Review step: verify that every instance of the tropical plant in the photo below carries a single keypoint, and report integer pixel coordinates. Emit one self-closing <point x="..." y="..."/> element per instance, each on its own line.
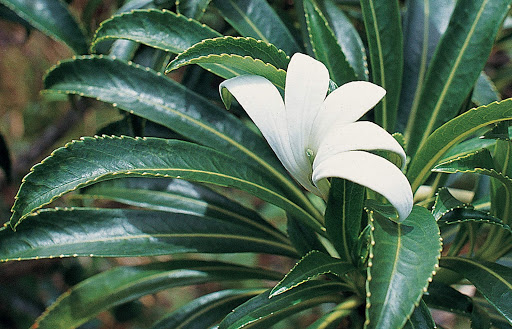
<point x="178" y="161"/>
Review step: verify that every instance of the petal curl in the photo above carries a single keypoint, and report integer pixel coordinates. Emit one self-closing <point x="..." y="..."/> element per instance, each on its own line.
<point x="264" y="105"/>
<point x="361" y="135"/>
<point x="346" y="104"/>
<point x="371" y="171"/>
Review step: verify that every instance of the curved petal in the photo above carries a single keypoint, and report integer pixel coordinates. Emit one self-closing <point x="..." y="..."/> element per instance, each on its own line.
<point x="371" y="171"/>
<point x="361" y="135"/>
<point x="346" y="104"/>
<point x="307" y="81"/>
<point x="264" y="105"/>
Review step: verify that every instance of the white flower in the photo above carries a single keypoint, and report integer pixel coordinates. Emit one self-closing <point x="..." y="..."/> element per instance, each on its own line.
<point x="317" y="137"/>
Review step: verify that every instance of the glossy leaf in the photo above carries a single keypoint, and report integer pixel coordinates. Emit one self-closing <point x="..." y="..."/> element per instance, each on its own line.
<point x="175" y="195"/>
<point x="446" y="202"/>
<point x="91" y="160"/>
<point x="255" y="18"/>
<point x="123" y="284"/>
<point x="472" y="216"/>
<point x="311" y="266"/>
<point x="205" y="311"/>
<point x="420" y="318"/>
<point x="348" y="38"/>
<point x="457" y="63"/>
<point x="492" y="280"/>
<point x="192" y="8"/>
<point x="485" y="91"/>
<point x="75" y="232"/>
<point x="403" y="258"/>
<point x="325" y="45"/>
<point x="343" y="217"/>
<point x="424" y="24"/>
<point x="153" y="96"/>
<point x="53" y="18"/>
<point x="262" y="312"/>
<point x="158" y="29"/>
<point x="451" y="133"/>
<point x="384" y="33"/>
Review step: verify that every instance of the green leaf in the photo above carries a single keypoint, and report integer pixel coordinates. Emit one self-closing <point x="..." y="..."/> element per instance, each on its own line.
<point x="348" y="38"/>
<point x="123" y="284"/>
<point x="446" y="202"/>
<point x="302" y="237"/>
<point x="311" y="266"/>
<point x="450" y="134"/>
<point x="420" y="318"/>
<point x="75" y="232"/>
<point x="255" y="18"/>
<point x="262" y="312"/>
<point x="332" y="319"/>
<point x="492" y="280"/>
<point x="175" y="195"/>
<point x="158" y="29"/>
<point x="205" y="311"/>
<point x="5" y="159"/>
<point x="384" y="33"/>
<point x="455" y="67"/>
<point x="424" y="24"/>
<point x="457" y="216"/>
<point x="343" y="217"/>
<point x="53" y="18"/>
<point x="485" y="91"/>
<point x="91" y="160"/>
<point x="403" y="258"/>
<point x="192" y="8"/>
<point x="325" y="45"/>
<point x="155" y="97"/>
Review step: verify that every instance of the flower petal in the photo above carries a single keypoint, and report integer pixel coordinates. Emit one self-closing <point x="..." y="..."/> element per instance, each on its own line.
<point x="371" y="171"/>
<point x="307" y="82"/>
<point x="264" y="105"/>
<point x="361" y="135"/>
<point x="346" y="104"/>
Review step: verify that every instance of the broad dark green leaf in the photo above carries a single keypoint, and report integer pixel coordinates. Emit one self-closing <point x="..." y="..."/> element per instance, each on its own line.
<point x="348" y="38"/>
<point x="485" y="91"/>
<point x="91" y="160"/>
<point x="53" y="18"/>
<point x="403" y="258"/>
<point x="153" y="96"/>
<point x="5" y="159"/>
<point x="255" y="18"/>
<point x="420" y="318"/>
<point x="450" y="134"/>
<point x="468" y="146"/>
<point x="9" y="15"/>
<point x="192" y="8"/>
<point x="325" y="45"/>
<point x="455" y="67"/>
<point x="343" y="217"/>
<point x="384" y="33"/>
<point x="205" y="311"/>
<point x="492" y="280"/>
<point x="311" y="266"/>
<point x="159" y="29"/>
<point x="424" y="24"/>
<point x="123" y="284"/>
<point x="262" y="312"/>
<point x="176" y="195"/>
<point x="75" y="232"/>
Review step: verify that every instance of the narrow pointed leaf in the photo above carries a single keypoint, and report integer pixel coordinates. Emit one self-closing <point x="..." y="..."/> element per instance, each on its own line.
<point x="91" y="160"/>
<point x="457" y="63"/>
<point x="255" y="18"/>
<point x="53" y="18"/>
<point x="205" y="311"/>
<point x="302" y="237"/>
<point x="402" y="261"/>
<point x="485" y="91"/>
<point x="446" y="202"/>
<point x="420" y="318"/>
<point x="492" y="280"/>
<point x="325" y="45"/>
<point x="52" y="233"/>
<point x="192" y="8"/>
<point x="311" y="266"/>
<point x="262" y="312"/>
<point x="450" y="134"/>
<point x="457" y="216"/>
<point x="123" y="284"/>
<point x="159" y="29"/>
<point x="348" y="38"/>
<point x="153" y="96"/>
<point x="384" y="33"/>
<point x="343" y="217"/>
